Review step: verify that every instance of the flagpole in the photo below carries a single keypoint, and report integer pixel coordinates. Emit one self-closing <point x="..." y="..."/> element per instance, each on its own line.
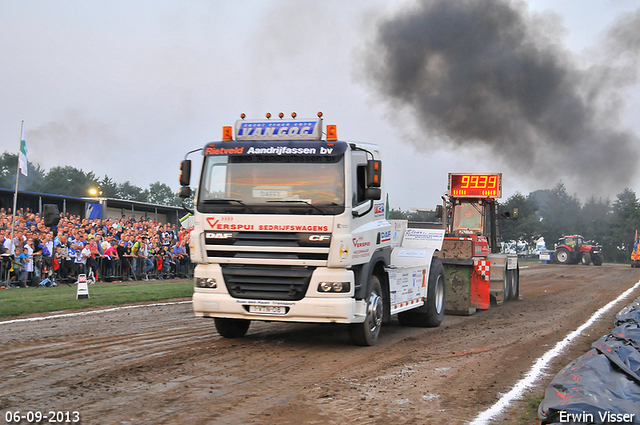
<point x="15" y="194"/>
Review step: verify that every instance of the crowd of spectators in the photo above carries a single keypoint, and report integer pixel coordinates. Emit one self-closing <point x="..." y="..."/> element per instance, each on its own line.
<point x="107" y="250"/>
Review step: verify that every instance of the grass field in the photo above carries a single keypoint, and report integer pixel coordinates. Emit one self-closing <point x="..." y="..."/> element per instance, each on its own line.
<point x="24" y="301"/>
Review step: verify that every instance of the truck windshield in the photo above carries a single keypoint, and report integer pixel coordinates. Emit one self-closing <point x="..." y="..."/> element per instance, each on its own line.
<point x="272" y="185"/>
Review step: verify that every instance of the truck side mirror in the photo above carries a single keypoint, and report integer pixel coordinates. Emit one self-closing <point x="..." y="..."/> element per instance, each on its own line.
<point x="374" y="173"/>
<point x="185" y="192"/>
<point x="185" y="173"/>
<point x="439" y="211"/>
<point x="373" y="193"/>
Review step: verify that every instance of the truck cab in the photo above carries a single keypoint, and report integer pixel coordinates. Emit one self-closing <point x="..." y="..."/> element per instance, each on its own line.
<point x="290" y="227"/>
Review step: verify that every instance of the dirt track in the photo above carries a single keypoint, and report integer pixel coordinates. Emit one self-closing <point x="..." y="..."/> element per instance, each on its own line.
<point x="162" y="365"/>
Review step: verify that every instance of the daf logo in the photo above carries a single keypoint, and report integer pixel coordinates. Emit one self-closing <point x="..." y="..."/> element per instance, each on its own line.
<point x="319" y="238"/>
<point x="220" y="235"/>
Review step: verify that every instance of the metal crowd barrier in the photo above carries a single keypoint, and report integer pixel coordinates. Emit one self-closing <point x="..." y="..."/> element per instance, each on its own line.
<point x="107" y="270"/>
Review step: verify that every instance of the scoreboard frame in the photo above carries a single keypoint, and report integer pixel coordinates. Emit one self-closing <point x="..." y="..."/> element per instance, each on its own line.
<point x="475" y="185"/>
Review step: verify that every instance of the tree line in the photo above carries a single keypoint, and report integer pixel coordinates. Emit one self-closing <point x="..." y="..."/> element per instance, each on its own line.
<point x="548" y="213"/>
<point x="552" y="213"/>
<point x="71" y="181"/>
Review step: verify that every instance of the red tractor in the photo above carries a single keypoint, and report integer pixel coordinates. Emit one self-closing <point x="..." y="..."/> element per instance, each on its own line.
<point x="573" y="250"/>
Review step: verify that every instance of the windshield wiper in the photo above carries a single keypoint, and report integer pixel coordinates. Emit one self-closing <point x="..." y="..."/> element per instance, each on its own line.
<point x="302" y="201"/>
<point x="228" y="201"/>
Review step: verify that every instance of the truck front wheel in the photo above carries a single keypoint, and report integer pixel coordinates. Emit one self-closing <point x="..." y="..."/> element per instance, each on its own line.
<point x="232" y="328"/>
<point x="432" y="312"/>
<point x="366" y="333"/>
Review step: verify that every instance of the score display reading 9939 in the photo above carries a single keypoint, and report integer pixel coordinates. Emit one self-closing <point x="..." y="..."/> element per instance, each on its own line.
<point x="475" y="185"/>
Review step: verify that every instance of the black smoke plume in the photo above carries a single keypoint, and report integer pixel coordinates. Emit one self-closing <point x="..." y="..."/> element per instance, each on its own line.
<point x="488" y="73"/>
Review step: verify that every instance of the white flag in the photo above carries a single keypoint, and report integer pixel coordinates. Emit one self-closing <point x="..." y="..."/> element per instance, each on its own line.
<point x="22" y="156"/>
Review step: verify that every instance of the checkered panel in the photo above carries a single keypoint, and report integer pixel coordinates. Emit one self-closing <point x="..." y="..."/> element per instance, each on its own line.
<point x="483" y="267"/>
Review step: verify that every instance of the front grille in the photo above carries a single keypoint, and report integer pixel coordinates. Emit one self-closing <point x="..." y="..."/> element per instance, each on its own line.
<point x="268" y="255"/>
<point x="268" y="245"/>
<point x="267" y="282"/>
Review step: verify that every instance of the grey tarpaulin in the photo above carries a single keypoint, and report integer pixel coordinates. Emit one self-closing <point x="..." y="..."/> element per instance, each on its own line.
<point x="603" y="384"/>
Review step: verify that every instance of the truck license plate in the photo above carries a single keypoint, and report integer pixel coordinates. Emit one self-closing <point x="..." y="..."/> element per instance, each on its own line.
<point x="267" y="309"/>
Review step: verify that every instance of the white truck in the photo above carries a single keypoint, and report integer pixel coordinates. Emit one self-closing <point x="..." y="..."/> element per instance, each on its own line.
<point x="291" y="227"/>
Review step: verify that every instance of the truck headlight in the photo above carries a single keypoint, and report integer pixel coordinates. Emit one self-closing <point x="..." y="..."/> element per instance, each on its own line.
<point x="206" y="282"/>
<point x="334" y="287"/>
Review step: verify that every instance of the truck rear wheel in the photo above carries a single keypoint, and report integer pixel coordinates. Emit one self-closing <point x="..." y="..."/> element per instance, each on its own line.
<point x="432" y="312"/>
<point x="506" y="284"/>
<point x="562" y="256"/>
<point x="232" y="328"/>
<point x="585" y="259"/>
<point x="366" y="333"/>
<point x="514" y="292"/>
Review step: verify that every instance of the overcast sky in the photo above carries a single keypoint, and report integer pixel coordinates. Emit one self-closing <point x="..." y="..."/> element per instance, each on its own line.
<point x="126" y="88"/>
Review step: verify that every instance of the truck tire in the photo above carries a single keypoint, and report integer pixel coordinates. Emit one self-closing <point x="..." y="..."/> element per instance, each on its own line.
<point x="562" y="256"/>
<point x="585" y="259"/>
<point x="232" y="328"/>
<point x="430" y="314"/>
<point x="366" y="333"/>
<point x="506" y="283"/>
<point x="514" y="294"/>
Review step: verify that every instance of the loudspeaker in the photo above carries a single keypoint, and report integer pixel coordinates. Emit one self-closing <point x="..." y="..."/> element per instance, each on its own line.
<point x="51" y="215"/>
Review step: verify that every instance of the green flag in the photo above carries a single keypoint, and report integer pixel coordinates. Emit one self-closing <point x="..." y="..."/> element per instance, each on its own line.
<point x="22" y="156"/>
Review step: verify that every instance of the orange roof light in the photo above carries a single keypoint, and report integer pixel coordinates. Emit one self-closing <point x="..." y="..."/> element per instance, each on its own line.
<point x="268" y="115"/>
<point x="332" y="132"/>
<point x="243" y="116"/>
<point x="227" y="133"/>
<point x="293" y="115"/>
<point x="281" y="115"/>
<point x="320" y="114"/>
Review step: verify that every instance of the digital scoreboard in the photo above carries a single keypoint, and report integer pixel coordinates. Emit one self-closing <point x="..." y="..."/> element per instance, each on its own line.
<point x="475" y="185"/>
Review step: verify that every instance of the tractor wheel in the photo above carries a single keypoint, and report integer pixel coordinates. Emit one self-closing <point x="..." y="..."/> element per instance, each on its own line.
<point x="231" y="328"/>
<point x="432" y="312"/>
<point x="585" y="259"/>
<point x="597" y="261"/>
<point x="366" y="333"/>
<point x="562" y="256"/>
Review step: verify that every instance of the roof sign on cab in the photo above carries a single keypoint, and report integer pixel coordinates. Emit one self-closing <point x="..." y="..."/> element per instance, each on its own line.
<point x="279" y="130"/>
